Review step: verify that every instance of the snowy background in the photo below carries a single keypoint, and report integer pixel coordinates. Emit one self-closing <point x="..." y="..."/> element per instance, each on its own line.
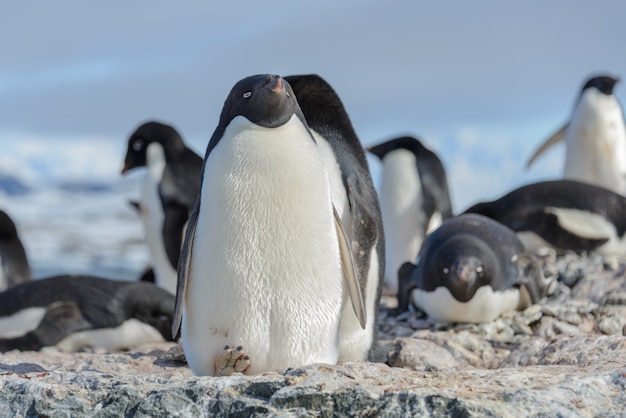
<point x="481" y="83"/>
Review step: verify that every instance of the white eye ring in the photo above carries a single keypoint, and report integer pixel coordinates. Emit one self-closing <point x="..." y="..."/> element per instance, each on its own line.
<point x="138" y="144"/>
<point x="446" y="270"/>
<point x="479" y="269"/>
<point x="247" y="94"/>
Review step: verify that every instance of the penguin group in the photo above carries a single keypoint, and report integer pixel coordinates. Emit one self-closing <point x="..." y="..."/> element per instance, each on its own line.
<point x="273" y="250"/>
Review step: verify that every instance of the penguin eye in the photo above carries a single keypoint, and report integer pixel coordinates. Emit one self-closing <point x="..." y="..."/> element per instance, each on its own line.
<point x="446" y="270"/>
<point x="138" y="144"/>
<point x="479" y="269"/>
<point x="247" y="94"/>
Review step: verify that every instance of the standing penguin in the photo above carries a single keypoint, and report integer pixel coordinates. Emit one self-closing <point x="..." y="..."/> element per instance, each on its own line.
<point x="414" y="198"/>
<point x="169" y="193"/>
<point x="14" y="267"/>
<point x="595" y="138"/>
<point x="354" y="196"/>
<point x="265" y="252"/>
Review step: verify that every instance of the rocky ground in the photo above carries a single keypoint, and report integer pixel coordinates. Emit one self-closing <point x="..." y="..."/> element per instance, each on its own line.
<point x="564" y="357"/>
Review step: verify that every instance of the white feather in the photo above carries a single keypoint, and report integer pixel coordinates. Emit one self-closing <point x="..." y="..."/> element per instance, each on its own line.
<point x="265" y="271"/>
<point x="485" y="306"/>
<point x="354" y="341"/>
<point x="596" y="142"/>
<point x="401" y="202"/>
<point x="21" y="322"/>
<point x="130" y="333"/>
<point x="152" y="216"/>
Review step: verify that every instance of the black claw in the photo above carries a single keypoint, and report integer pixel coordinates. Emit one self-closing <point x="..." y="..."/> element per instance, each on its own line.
<point x="226" y="347"/>
<point x="239" y="348"/>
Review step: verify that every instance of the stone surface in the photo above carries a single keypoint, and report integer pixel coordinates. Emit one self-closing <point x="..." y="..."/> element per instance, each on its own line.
<point x="563" y="357"/>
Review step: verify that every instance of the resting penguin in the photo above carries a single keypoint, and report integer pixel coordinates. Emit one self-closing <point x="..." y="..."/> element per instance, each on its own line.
<point x="77" y="312"/>
<point x="266" y="263"/>
<point x="414" y="198"/>
<point x="14" y="267"/>
<point x="472" y="269"/>
<point x="354" y="196"/>
<point x="595" y="138"/>
<point x="564" y="215"/>
<point x="170" y="189"/>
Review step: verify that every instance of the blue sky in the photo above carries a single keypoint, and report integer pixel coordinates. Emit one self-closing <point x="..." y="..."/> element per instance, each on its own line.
<point x="482" y="83"/>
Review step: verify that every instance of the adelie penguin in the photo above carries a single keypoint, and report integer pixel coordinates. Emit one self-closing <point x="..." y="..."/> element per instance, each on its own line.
<point x="564" y="215"/>
<point x="267" y="265"/>
<point x="595" y="138"/>
<point x="472" y="269"/>
<point x="74" y="313"/>
<point x="354" y="196"/>
<point x="414" y="197"/>
<point x="14" y="267"/>
<point x="170" y="189"/>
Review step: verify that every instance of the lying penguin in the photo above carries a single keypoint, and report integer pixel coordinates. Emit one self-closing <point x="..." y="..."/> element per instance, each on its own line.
<point x="414" y="199"/>
<point x="14" y="267"/>
<point x="79" y="312"/>
<point x="169" y="193"/>
<point x="564" y="215"/>
<point x="472" y="269"/>
<point x="595" y="137"/>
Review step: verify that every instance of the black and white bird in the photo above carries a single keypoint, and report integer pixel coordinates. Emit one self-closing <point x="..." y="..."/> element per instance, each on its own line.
<point x="595" y="138"/>
<point x="74" y="313"/>
<point x="564" y="215"/>
<point x="472" y="269"/>
<point x="169" y="192"/>
<point x="267" y="264"/>
<point x="414" y="198"/>
<point x="14" y="266"/>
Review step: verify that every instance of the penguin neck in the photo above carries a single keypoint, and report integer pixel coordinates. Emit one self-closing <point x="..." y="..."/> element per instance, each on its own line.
<point x="156" y="161"/>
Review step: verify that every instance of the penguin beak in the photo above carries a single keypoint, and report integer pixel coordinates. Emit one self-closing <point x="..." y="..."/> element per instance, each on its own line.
<point x="462" y="280"/>
<point x="124" y="169"/>
<point x="275" y="84"/>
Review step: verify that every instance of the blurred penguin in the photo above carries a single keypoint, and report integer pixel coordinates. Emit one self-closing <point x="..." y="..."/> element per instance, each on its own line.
<point x="169" y="193"/>
<point x="14" y="267"/>
<point x="595" y="138"/>
<point x="414" y="199"/>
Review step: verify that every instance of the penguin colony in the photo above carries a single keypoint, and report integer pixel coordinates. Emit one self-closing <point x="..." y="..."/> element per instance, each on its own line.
<point x="269" y="252"/>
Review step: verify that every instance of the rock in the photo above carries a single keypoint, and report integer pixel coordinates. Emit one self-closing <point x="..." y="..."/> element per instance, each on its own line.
<point x="141" y="383"/>
<point x="420" y="355"/>
<point x="562" y="357"/>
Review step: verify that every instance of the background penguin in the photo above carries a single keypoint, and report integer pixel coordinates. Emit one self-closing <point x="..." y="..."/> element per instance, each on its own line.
<point x="14" y="267"/>
<point x="471" y="269"/>
<point x="265" y="254"/>
<point x="414" y="197"/>
<point x="354" y="196"/>
<point x="77" y="312"/>
<point x="169" y="193"/>
<point x="564" y="215"/>
<point x="595" y="138"/>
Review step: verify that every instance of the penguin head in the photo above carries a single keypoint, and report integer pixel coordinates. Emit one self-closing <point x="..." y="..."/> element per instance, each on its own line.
<point x="266" y="100"/>
<point x="463" y="266"/>
<point x="604" y="84"/>
<point x="151" y="133"/>
<point x="405" y="142"/>
<point x="151" y="305"/>
<point x="7" y="227"/>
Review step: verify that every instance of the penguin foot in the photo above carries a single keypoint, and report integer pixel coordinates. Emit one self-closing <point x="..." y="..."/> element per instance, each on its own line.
<point x="231" y="361"/>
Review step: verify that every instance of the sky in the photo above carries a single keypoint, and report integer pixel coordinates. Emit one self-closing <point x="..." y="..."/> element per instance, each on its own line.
<point x="481" y="83"/>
